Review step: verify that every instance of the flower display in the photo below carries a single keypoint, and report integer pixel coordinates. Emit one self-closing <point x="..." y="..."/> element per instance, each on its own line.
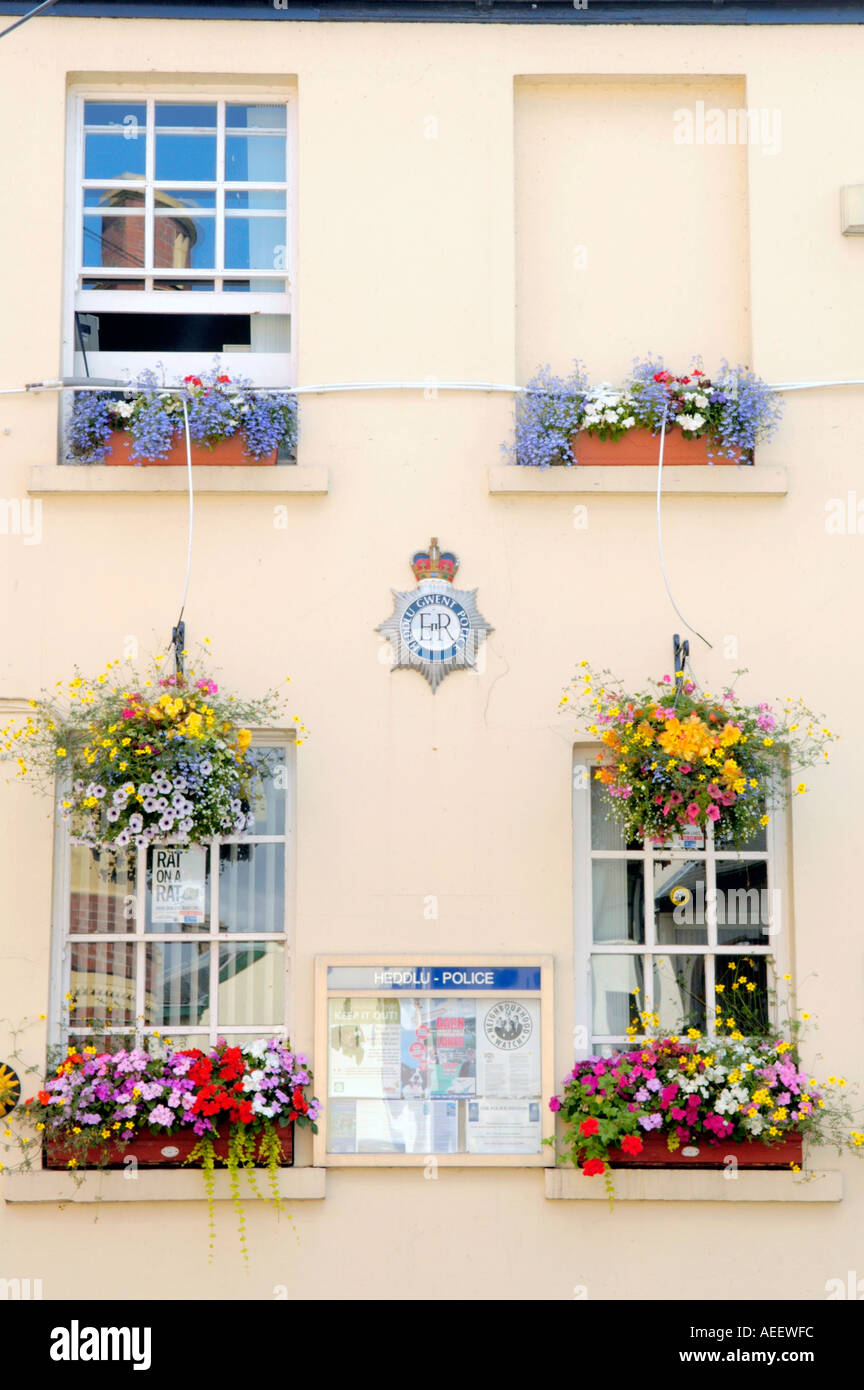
<point x="734" y="410"/>
<point x="674" y="756"/>
<point x="108" y="1097"/>
<point x="700" y="1091"/>
<point x="97" y="1102"/>
<point x="218" y="406"/>
<point x="142" y="761"/>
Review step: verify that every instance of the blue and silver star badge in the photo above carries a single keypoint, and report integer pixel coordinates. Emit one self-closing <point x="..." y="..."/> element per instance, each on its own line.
<point x="435" y="629"/>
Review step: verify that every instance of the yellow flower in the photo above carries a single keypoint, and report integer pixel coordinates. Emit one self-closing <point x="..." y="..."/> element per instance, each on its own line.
<point x="767" y="742"/>
<point x="719" y="989"/>
<point x="61" y="752"/>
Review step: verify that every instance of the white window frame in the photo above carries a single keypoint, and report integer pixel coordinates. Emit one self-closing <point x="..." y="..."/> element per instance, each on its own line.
<point x="266" y="369"/>
<point x="777" y="948"/>
<point x="59" y="1029"/>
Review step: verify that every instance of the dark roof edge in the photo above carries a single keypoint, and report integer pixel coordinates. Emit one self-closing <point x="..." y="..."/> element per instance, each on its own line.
<point x="698" y="12"/>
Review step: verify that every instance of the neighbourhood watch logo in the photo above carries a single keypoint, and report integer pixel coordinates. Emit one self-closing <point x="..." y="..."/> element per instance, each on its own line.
<point x="77" y="1343"/>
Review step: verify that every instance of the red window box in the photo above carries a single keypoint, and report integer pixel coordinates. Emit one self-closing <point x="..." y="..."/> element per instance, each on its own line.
<point x="752" y="1154"/>
<point x="228" y="452"/>
<point x="641" y="449"/>
<point x="152" y="1151"/>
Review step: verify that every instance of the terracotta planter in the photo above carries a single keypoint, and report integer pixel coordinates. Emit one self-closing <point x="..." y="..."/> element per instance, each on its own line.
<point x="229" y="452"/>
<point x="153" y="1151"/>
<point x="751" y="1154"/>
<point x="640" y="449"/>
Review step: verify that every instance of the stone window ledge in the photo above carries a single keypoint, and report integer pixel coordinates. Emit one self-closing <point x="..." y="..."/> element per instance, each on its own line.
<point x="50" y="478"/>
<point x="153" y="1185"/>
<point x="696" y="1185"/>
<point x="725" y="481"/>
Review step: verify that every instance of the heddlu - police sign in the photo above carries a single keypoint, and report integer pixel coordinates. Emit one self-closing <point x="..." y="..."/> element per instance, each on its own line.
<point x="387" y="978"/>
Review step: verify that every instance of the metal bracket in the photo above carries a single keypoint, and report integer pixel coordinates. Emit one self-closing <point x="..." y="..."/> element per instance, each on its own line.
<point x="680" y="656"/>
<point x="178" y="638"/>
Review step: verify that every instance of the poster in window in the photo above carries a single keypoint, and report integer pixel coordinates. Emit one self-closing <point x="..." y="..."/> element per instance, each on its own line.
<point x="179" y="886"/>
<point x="503" y="1127"/>
<point x="364" y="1038"/>
<point x="439" y="1047"/>
<point x="393" y="1126"/>
<point x="508" y="1048"/>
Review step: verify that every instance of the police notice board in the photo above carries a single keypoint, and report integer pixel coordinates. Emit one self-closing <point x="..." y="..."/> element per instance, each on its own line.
<point x="438" y="1056"/>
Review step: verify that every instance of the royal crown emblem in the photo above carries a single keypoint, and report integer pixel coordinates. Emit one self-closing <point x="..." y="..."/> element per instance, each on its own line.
<point x="435" y="629"/>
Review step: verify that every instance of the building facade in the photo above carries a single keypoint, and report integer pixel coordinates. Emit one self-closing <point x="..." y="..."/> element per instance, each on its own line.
<point x="409" y="208"/>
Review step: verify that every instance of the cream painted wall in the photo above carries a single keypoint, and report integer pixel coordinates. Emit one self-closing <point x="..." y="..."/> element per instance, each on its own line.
<point x="408" y="257"/>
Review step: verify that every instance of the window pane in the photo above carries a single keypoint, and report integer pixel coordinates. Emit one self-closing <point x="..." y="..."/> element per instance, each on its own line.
<point x="744" y="996"/>
<point x="613" y="980"/>
<point x="724" y="839"/>
<point x="113" y="197"/>
<point x="744" y="905"/>
<point x="185" y="115"/>
<point x="102" y="895"/>
<point x="186" y="157"/>
<point x="252" y="985"/>
<point x="255" y="286"/>
<point x="185" y="198"/>
<point x="102" y="984"/>
<point x="606" y="833"/>
<point x="255" y="243"/>
<point x="268" y="793"/>
<point x="255" y="200"/>
<point x="679" y="992"/>
<point x="186" y="243"/>
<point x="178" y="889"/>
<point x="252" y="888"/>
<point x="117" y="241"/>
<point x="257" y="117"/>
<point x="115" y="140"/>
<point x="177" y="984"/>
<point x="618" y="900"/>
<point x="90" y="284"/>
<point x="185" y="285"/>
<point x="254" y="158"/>
<point x="679" y="902"/>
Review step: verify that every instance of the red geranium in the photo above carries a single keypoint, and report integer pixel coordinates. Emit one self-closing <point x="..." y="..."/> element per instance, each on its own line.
<point x="589" y="1126"/>
<point x="594" y="1167"/>
<point x="631" y="1144"/>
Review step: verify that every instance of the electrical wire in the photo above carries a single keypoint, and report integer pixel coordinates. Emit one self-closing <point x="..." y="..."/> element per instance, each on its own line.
<point x="46" y="5"/>
<point x="660" y="533"/>
<point x="429" y="384"/>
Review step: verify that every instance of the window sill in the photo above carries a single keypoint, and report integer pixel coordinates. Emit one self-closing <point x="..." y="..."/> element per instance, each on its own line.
<point x="728" y="481"/>
<point x="153" y="1185"/>
<point x="696" y="1185"/>
<point x="48" y="478"/>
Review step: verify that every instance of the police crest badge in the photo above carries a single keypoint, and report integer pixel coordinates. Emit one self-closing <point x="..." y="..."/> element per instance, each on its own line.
<point x="435" y="629"/>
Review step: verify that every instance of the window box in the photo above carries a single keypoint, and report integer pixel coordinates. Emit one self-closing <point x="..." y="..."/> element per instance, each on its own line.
<point x="228" y="452"/>
<point x="655" y="1154"/>
<point x="152" y="1151"/>
<point x="641" y="449"/>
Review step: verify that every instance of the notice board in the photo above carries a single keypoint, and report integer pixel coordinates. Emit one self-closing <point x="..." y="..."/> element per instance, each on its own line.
<point x="434" y="1056"/>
